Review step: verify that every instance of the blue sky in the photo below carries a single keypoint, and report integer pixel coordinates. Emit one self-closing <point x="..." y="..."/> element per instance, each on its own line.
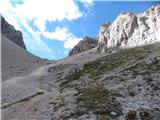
<point x="52" y="27"/>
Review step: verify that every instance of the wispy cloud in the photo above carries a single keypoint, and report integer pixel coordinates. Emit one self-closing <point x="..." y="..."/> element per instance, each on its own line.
<point x="35" y="38"/>
<point x="88" y="5"/>
<point x="86" y="1"/>
<point x="66" y="52"/>
<point x="15" y="17"/>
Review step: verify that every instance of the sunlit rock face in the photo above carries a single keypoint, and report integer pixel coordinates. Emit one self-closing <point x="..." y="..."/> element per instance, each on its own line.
<point x="86" y="44"/>
<point x="130" y="30"/>
<point x="11" y="33"/>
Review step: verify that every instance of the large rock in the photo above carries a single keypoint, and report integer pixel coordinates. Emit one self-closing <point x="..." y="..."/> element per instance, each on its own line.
<point x="130" y="30"/>
<point x="11" y="33"/>
<point x="71" y="71"/>
<point x="86" y="44"/>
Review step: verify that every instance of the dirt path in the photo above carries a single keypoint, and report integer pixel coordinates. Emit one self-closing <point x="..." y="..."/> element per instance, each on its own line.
<point x="21" y="93"/>
<point x="21" y="87"/>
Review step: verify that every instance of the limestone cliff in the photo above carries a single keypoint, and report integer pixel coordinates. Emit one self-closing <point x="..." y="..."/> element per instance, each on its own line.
<point x="130" y="30"/>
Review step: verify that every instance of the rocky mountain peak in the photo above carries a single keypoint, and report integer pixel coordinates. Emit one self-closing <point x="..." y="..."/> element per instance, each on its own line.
<point x="11" y="33"/>
<point x="130" y="30"/>
<point x="83" y="45"/>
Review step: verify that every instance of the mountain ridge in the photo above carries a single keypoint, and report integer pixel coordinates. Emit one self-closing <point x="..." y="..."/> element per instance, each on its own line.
<point x="11" y="33"/>
<point x="130" y="30"/>
<point x="120" y="85"/>
<point x="16" y="60"/>
<point x="86" y="44"/>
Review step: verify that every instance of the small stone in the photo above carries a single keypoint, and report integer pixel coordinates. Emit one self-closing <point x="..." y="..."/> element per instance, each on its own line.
<point x="113" y="113"/>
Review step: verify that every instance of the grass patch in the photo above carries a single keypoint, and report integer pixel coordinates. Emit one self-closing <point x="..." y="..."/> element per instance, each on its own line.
<point x="100" y="101"/>
<point x="132" y="115"/>
<point x="132" y="93"/>
<point x="41" y="78"/>
<point x="147" y="78"/>
<point x="22" y="100"/>
<point x="59" y="103"/>
<point x="155" y="66"/>
<point x="155" y="86"/>
<point x="66" y="82"/>
<point x="136" y="69"/>
<point x="107" y="63"/>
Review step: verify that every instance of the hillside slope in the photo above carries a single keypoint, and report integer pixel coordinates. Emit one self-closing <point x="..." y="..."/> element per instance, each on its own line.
<point x="123" y="85"/>
<point x="16" y="61"/>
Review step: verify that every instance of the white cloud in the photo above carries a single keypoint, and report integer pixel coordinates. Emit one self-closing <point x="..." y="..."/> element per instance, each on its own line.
<point x="52" y="10"/>
<point x="87" y="2"/>
<point x="71" y="42"/>
<point x="41" y="11"/>
<point x="60" y="34"/>
<point x="63" y="34"/>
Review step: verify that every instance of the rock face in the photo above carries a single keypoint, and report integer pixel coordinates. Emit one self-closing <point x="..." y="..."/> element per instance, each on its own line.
<point x="130" y="30"/>
<point x="12" y="34"/>
<point x="86" y="44"/>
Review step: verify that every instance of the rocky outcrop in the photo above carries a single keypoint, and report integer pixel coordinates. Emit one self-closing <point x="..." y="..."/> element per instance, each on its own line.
<point x="71" y="71"/>
<point x="86" y="44"/>
<point x="11" y="33"/>
<point x="130" y="30"/>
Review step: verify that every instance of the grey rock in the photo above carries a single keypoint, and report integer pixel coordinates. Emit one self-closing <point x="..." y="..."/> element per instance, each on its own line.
<point x="130" y="30"/>
<point x="151" y="61"/>
<point x="71" y="70"/>
<point x="86" y="44"/>
<point x="113" y="113"/>
<point x="11" y="33"/>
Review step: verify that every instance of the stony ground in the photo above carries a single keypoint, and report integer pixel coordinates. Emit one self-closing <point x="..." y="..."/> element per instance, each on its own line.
<point x="118" y="86"/>
<point x="16" y="61"/>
